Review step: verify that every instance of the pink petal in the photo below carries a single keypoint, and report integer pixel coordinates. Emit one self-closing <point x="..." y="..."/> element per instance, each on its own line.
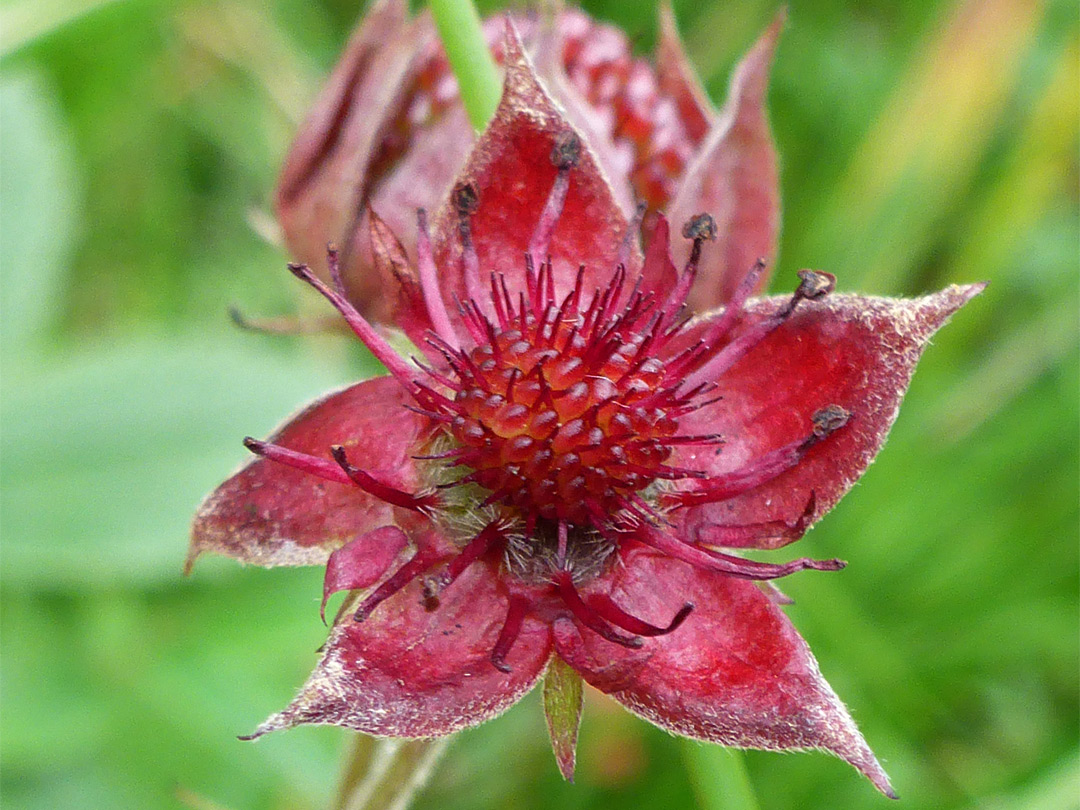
<point x="362" y="562"/>
<point x="679" y="80"/>
<point x="733" y="177"/>
<point x="512" y="173"/>
<point x="270" y="514"/>
<point x="323" y="186"/>
<point x="853" y="351"/>
<point x="407" y="672"/>
<point x="736" y="672"/>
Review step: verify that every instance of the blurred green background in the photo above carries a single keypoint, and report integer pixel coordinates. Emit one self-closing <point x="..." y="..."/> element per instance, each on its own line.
<point x="922" y="143"/>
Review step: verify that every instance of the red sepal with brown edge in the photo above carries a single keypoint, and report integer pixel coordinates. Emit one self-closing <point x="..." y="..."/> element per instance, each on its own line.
<point x="393" y="267"/>
<point x="512" y="173"/>
<point x="678" y="79"/>
<point x="319" y="192"/>
<point x="270" y="514"/>
<point x="858" y="352"/>
<point x="733" y="177"/>
<point x="736" y="672"/>
<point x="409" y="672"/>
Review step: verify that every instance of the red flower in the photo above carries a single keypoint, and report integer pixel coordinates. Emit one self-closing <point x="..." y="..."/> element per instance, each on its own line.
<point x="569" y="475"/>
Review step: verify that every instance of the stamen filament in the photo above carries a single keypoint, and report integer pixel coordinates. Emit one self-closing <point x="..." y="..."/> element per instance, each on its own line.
<point x="727" y="563"/>
<point x="361" y="328"/>
<point x="609" y="611"/>
<point x="383" y="492"/>
<point x="515" y="615"/>
<point x="313" y="465"/>
<point x="589" y="617"/>
<point x="564" y="154"/>
<point x="420" y="562"/>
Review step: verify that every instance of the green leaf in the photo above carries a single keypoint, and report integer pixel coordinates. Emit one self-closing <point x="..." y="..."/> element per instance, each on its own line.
<point x="108" y="453"/>
<point x="38" y="191"/>
<point x="459" y="29"/>
<point x="563" y="700"/>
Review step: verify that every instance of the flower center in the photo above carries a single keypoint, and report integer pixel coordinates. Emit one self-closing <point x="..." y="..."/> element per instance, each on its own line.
<point x="558" y="423"/>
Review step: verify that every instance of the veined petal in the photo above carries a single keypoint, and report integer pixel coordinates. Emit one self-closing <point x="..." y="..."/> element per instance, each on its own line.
<point x="736" y="672"/>
<point x="858" y="352"/>
<point x="271" y="514"/>
<point x="512" y="173"/>
<point x="733" y="177"/>
<point x="409" y="672"/>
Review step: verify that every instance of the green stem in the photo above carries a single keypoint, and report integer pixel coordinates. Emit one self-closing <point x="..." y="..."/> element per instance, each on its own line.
<point x="387" y="774"/>
<point x="719" y="777"/>
<point x="478" y="77"/>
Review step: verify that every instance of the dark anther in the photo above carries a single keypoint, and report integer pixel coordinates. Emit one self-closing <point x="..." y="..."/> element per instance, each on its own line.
<point x="334" y="266"/>
<point x="567" y="150"/>
<point x="829" y="420"/>
<point x="430" y="593"/>
<point x="699" y="227"/>
<point x="815" y="284"/>
<point x="465" y="199"/>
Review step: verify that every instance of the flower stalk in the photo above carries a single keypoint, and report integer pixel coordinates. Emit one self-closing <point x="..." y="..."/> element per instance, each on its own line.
<point x="719" y="777"/>
<point x="387" y="774"/>
<point x="478" y="79"/>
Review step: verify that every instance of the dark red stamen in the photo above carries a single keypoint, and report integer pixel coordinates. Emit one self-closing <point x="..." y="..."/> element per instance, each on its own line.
<point x="564" y="155"/>
<point x="726" y="563"/>
<point x="734" y="307"/>
<point x="515" y="615"/>
<point x="313" y="465"/>
<point x="610" y="612"/>
<point x="420" y="562"/>
<point x="765" y="468"/>
<point x="813" y="286"/>
<point x="429" y="283"/>
<point x="383" y="492"/>
<point x="361" y="328"/>
<point x="476" y="548"/>
<point x="589" y="617"/>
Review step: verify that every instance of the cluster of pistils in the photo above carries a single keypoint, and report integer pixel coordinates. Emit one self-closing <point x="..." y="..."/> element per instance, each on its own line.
<point x="554" y="420"/>
<point x="561" y="413"/>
